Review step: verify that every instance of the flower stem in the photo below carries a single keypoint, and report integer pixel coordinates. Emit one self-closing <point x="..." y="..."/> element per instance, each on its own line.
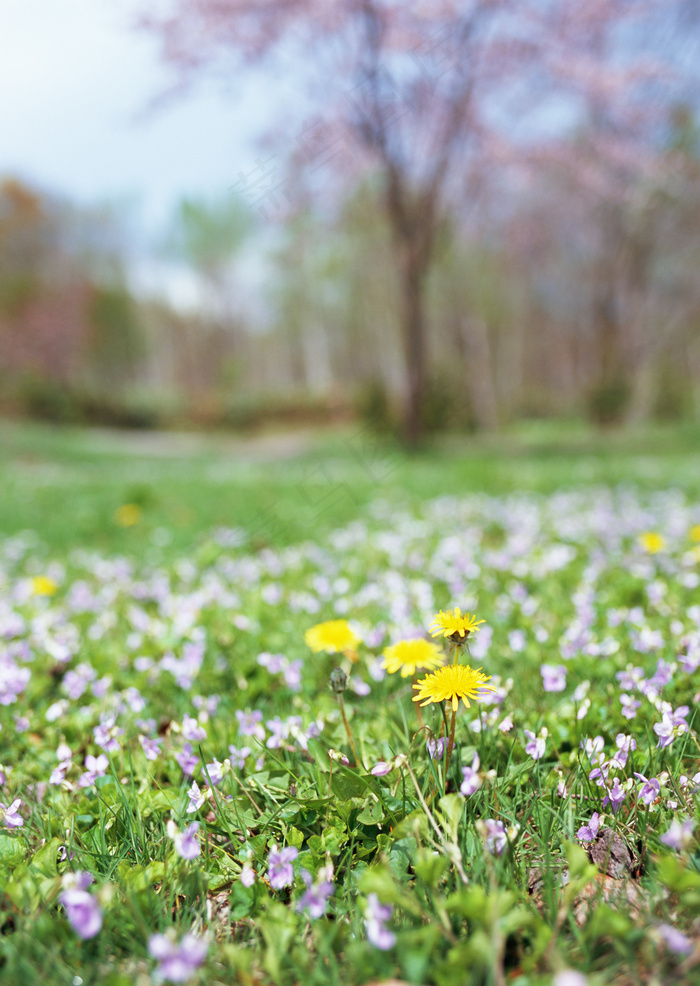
<point x="348" y="730"/>
<point x="419" y="711"/>
<point x="452" y="850"/>
<point x="450" y="743"/>
<point x="330" y="779"/>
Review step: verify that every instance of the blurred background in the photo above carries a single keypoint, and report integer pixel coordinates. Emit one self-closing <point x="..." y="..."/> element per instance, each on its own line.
<point x="427" y="217"/>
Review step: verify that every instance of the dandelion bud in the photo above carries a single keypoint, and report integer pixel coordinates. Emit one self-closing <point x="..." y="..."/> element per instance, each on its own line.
<point x="338" y="680"/>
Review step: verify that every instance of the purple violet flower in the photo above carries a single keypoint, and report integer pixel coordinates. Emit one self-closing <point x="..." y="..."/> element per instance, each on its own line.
<point x="247" y="875"/>
<point x="591" y="747"/>
<point x="107" y="734"/>
<point x="625" y="744"/>
<point x="273" y="662"/>
<point x="250" y="724"/>
<point x="292" y="675"/>
<point x="472" y="779"/>
<point x="650" y="789"/>
<point x="315" y="900"/>
<point x="279" y="731"/>
<point x="96" y="767"/>
<point x="679" y="835"/>
<point x="177" y="961"/>
<point x="186" y="845"/>
<point x="376" y="916"/>
<point x="82" y="909"/>
<point x="196" y="797"/>
<point x="693" y="783"/>
<point x="630" y="678"/>
<point x="150" y="747"/>
<point x="672" y="725"/>
<point x="382" y="768"/>
<point x="662" y="675"/>
<point x="537" y="744"/>
<point x="629" y="706"/>
<point x="214" y="773"/>
<point x="192" y="731"/>
<point x="615" y="796"/>
<point x="10" y="817"/>
<point x="587" y="833"/>
<point x="675" y="940"/>
<point x="238" y="756"/>
<point x="436" y="748"/>
<point x="599" y="774"/>
<point x="187" y="760"/>
<point x="280" y="871"/>
<point x="496" y="837"/>
<point x="553" y="677"/>
<point x="58" y="774"/>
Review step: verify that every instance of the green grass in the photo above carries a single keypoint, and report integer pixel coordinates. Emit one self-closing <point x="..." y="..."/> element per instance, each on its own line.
<point x="463" y="913"/>
<point x="67" y="484"/>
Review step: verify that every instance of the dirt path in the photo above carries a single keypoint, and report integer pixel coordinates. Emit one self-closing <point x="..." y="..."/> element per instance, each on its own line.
<point x="263" y="447"/>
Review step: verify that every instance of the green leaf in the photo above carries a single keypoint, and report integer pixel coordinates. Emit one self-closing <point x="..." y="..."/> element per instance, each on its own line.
<point x="333" y="839"/>
<point x="160" y="801"/>
<point x="468" y="902"/>
<point x="371" y="814"/>
<point x="378" y="880"/>
<point x="413" y="825"/>
<point x="675" y="876"/>
<point x="12" y="851"/>
<point x="608" y="923"/>
<point x="241" y="900"/>
<point x="451" y="808"/>
<point x="295" y="838"/>
<point x="348" y="785"/>
<point x="577" y="858"/>
<point x="45" y="860"/>
<point x="430" y="866"/>
<point x="138" y="878"/>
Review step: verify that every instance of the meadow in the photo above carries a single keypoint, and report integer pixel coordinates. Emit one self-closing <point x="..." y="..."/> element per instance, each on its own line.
<point x="213" y="768"/>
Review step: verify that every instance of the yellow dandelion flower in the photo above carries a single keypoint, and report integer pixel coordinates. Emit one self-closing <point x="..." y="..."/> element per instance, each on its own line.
<point x="694" y="533"/>
<point x="409" y="656"/>
<point x="331" y="637"/>
<point x="652" y="542"/>
<point x="42" y="585"/>
<point x="451" y="683"/>
<point x="454" y="624"/>
<point x="128" y="514"/>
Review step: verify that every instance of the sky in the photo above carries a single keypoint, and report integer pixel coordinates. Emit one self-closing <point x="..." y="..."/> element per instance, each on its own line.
<point x="81" y="116"/>
<point x="78" y="86"/>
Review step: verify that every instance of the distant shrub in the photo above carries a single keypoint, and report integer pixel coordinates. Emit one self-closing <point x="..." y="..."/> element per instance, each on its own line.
<point x="374" y="408"/>
<point x="48" y="400"/>
<point x="607" y="402"/>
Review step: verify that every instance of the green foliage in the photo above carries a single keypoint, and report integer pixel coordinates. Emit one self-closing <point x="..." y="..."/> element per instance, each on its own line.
<point x="118" y="334"/>
<point x="209" y="235"/>
<point x="462" y="911"/>
<point x="17" y="290"/>
<point x="607" y="402"/>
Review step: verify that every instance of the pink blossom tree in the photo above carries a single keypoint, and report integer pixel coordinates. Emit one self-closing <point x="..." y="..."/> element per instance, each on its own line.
<point x="438" y="97"/>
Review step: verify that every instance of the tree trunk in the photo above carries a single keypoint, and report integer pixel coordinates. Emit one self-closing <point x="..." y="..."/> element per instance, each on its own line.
<point x="693" y="358"/>
<point x="414" y="337"/>
<point x="480" y="371"/>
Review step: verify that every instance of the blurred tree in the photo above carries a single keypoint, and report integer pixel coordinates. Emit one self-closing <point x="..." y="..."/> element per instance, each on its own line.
<point x="434" y="95"/>
<point x="23" y="244"/>
<point x="68" y="323"/>
<point x="209" y="237"/>
<point x="117" y="342"/>
<point x="42" y="293"/>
